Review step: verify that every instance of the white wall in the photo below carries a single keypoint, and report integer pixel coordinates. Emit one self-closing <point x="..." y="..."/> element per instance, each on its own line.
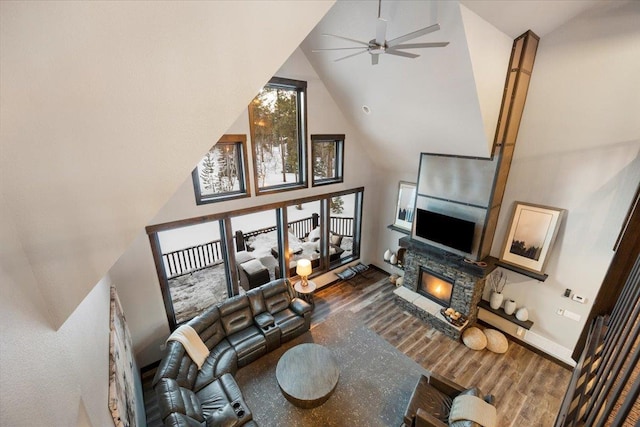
<point x="49" y="377"/>
<point x="577" y="149"/>
<point x="135" y="271"/>
<point x="105" y="106"/>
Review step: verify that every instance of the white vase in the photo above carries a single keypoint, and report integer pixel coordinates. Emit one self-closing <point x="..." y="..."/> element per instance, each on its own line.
<point x="509" y="306"/>
<point x="387" y="255"/>
<point x="522" y="314"/>
<point x="495" y="301"/>
<point x="394" y="259"/>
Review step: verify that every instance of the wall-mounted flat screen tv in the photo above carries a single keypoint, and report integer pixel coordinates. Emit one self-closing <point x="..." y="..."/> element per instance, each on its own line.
<point x="453" y="232"/>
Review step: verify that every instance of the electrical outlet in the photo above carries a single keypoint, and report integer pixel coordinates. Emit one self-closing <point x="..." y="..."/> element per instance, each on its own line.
<point x="520" y="332"/>
<point x="560" y="311"/>
<point x="567" y="293"/>
<point x="580" y="299"/>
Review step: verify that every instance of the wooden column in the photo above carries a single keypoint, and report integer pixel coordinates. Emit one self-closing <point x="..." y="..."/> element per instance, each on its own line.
<point x="523" y="55"/>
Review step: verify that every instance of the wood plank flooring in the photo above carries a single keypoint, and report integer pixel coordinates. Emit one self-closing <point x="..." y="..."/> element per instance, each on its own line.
<point x="528" y="387"/>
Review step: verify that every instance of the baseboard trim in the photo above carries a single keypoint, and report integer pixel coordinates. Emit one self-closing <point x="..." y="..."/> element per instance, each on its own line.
<point x="530" y="347"/>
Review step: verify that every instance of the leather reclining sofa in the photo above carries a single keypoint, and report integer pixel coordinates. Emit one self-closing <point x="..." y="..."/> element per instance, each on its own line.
<point x="236" y="332"/>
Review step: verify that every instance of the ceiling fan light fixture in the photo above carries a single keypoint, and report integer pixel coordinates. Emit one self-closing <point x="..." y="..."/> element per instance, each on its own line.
<point x="366" y="109"/>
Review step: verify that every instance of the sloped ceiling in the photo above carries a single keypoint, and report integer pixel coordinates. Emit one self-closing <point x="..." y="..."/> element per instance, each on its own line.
<point x="447" y="100"/>
<point x="106" y="106"/>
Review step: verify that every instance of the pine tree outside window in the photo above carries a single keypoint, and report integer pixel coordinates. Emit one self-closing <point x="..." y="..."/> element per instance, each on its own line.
<point x="221" y="174"/>
<point x="327" y="153"/>
<point x="277" y="119"/>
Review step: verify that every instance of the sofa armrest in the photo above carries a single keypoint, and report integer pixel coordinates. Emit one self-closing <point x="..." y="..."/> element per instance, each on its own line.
<point x="300" y="306"/>
<point x="264" y="320"/>
<point x="224" y="417"/>
<point x="425" y="419"/>
<point x="446" y="386"/>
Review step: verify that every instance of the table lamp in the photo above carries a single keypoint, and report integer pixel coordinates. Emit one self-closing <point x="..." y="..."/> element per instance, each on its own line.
<point x="303" y="269"/>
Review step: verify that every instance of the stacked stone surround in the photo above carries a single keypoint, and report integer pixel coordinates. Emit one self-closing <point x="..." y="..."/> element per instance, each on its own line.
<point x="468" y="279"/>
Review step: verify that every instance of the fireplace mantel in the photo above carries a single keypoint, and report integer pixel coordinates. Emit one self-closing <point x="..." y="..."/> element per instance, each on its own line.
<point x="468" y="279"/>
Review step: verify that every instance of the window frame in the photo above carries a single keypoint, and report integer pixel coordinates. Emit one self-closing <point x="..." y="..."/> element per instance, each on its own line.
<point x="300" y="87"/>
<point x="229" y="251"/>
<point x="338" y="140"/>
<point x="240" y="143"/>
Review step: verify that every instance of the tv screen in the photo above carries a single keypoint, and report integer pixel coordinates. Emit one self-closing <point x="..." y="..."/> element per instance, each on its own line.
<point x="448" y="231"/>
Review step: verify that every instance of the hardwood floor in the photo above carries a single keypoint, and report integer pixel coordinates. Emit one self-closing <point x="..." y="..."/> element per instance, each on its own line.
<point x="528" y="387"/>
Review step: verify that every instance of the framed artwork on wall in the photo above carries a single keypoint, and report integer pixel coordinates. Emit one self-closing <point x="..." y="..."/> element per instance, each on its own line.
<point x="531" y="235"/>
<point x="405" y="207"/>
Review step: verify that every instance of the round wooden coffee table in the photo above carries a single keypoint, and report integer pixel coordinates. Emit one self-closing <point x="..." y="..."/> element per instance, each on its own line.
<point x="307" y="374"/>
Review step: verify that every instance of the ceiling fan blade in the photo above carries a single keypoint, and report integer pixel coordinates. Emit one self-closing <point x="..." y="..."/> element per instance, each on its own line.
<point x="381" y="31"/>
<point x="413" y="35"/>
<point x="374" y="59"/>
<point x="335" y="48"/>
<point x="401" y="53"/>
<point x="420" y="45"/>
<point x="349" y="56"/>
<point x="348" y="39"/>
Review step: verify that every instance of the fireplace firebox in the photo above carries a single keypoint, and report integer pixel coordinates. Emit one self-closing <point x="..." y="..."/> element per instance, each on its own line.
<point x="435" y="287"/>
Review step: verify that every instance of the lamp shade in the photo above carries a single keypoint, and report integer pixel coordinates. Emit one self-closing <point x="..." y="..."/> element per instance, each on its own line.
<point x="303" y="267"/>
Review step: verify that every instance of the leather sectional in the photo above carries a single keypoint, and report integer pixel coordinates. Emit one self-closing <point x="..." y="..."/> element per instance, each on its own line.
<point x="236" y="332"/>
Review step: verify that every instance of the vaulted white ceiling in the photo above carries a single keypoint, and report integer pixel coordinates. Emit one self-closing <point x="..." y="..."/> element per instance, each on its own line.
<point x="445" y="101"/>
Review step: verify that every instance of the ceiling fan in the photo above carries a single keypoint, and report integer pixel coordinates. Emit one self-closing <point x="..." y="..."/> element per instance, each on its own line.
<point x="380" y="45"/>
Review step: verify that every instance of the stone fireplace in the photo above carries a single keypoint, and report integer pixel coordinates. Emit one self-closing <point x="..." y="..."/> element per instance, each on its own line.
<point x="435" y="279"/>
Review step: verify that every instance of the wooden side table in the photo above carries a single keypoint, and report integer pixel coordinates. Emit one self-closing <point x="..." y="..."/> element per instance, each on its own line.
<point x="306" y="292"/>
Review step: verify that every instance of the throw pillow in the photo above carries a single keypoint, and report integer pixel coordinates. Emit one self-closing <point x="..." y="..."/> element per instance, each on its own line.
<point x="472" y="408"/>
<point x="474" y="338"/>
<point x="336" y="239"/>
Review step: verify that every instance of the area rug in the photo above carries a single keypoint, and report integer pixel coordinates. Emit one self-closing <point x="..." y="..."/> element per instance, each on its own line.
<point x="375" y="384"/>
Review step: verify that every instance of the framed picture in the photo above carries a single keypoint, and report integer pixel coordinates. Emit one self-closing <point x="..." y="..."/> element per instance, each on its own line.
<point x="531" y="234"/>
<point x="405" y="206"/>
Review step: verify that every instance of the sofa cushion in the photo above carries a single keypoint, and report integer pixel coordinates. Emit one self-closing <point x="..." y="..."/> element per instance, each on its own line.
<point x="176" y="364"/>
<point x="176" y="419"/>
<point x="219" y="393"/>
<point x="173" y="398"/>
<point x="247" y="341"/>
<point x="222" y="360"/>
<point x="223" y="417"/>
<point x="288" y="322"/>
<point x="235" y="314"/>
<point x="209" y="327"/>
<point x="276" y="296"/>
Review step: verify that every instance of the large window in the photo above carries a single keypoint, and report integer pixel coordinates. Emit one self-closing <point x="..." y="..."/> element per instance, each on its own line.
<point x="277" y="118"/>
<point x="202" y="261"/>
<point x="221" y="174"/>
<point x="327" y="153"/>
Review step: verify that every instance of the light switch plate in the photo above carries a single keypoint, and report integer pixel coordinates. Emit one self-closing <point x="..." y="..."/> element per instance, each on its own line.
<point x="571" y="315"/>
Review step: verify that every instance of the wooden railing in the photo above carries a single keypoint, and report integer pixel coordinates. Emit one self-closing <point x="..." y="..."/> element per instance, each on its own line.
<point x="188" y="260"/>
<point x="341" y="225"/>
<point x="185" y="261"/>
<point x="302" y="227"/>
